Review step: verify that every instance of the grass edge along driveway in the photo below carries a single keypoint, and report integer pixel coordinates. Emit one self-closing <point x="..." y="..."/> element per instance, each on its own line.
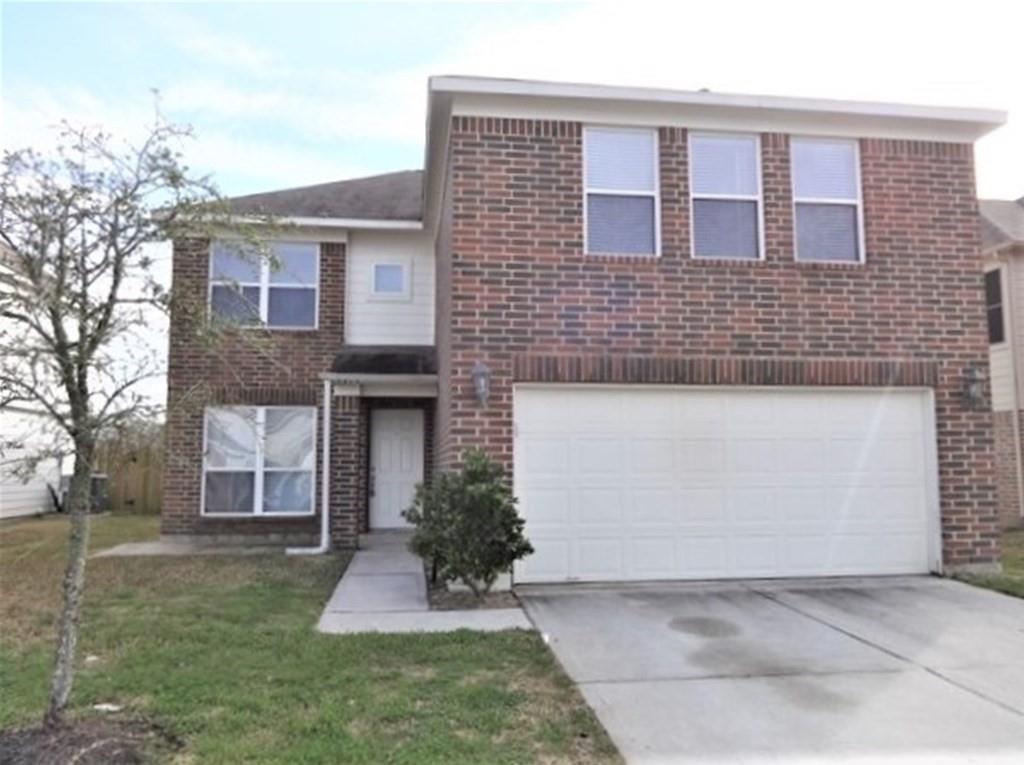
<point x="221" y="652"/>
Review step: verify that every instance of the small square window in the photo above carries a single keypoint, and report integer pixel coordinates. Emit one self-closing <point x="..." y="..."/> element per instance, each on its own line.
<point x="389" y="280"/>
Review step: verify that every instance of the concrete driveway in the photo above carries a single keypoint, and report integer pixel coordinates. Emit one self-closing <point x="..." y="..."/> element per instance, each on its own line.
<point x="908" y="670"/>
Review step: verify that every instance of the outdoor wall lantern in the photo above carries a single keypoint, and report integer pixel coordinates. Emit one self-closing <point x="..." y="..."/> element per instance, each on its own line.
<point x="481" y="375"/>
<point x="974" y="387"/>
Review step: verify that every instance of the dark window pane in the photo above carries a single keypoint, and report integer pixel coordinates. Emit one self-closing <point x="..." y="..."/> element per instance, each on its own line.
<point x="993" y="288"/>
<point x="287" y="491"/>
<point x="619" y="224"/>
<point x="725" y="228"/>
<point x="229" y="492"/>
<point x="827" y="232"/>
<point x="996" y="333"/>
<point x="240" y="306"/>
<point x="291" y="307"/>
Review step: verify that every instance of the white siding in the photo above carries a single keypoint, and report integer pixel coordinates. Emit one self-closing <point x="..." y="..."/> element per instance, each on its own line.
<point x="17" y="496"/>
<point x="374" y="321"/>
<point x="1004" y="356"/>
<point x="1016" y="298"/>
<point x="1001" y="362"/>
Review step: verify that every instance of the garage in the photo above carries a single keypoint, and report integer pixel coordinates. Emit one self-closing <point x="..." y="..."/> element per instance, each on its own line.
<point x="631" y="483"/>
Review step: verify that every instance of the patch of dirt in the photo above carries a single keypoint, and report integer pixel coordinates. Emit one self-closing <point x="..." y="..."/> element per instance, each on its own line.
<point x="86" y="742"/>
<point x="443" y="599"/>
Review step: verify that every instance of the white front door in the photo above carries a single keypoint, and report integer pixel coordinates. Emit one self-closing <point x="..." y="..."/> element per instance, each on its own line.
<point x="638" y="482"/>
<point x="396" y="464"/>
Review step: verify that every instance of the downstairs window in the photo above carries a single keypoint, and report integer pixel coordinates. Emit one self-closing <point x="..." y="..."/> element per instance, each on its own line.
<point x="259" y="460"/>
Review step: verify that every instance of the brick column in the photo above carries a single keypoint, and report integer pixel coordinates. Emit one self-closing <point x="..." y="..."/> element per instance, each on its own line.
<point x="347" y="505"/>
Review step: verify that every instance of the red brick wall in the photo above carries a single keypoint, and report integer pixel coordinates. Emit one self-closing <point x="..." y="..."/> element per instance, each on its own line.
<point x="522" y="287"/>
<point x="249" y="367"/>
<point x="1007" y="466"/>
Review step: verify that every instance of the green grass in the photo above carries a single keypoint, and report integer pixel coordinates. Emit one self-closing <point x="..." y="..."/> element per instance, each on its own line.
<point x="221" y="652"/>
<point x="1011" y="581"/>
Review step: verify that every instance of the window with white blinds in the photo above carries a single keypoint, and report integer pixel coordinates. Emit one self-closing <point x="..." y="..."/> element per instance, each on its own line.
<point x="725" y="191"/>
<point x="620" y="177"/>
<point x="826" y="197"/>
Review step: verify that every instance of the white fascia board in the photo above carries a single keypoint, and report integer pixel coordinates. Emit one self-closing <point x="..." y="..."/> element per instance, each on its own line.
<point x="354" y="378"/>
<point x="360" y="223"/>
<point x="712" y="111"/>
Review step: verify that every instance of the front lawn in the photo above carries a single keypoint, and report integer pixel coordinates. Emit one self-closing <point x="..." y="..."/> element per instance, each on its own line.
<point x="221" y="652"/>
<point x="1011" y="581"/>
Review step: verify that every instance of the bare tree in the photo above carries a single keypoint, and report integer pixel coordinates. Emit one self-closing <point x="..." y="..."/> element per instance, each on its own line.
<point x="76" y="286"/>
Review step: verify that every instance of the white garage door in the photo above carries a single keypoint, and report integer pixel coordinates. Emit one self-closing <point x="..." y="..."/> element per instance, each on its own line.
<point x="620" y="483"/>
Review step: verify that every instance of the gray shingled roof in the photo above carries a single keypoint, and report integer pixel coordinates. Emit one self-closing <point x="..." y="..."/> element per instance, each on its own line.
<point x="1002" y="222"/>
<point x="392" y="196"/>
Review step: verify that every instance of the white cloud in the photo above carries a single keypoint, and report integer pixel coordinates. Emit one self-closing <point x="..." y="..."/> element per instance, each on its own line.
<point x="873" y="50"/>
<point x="943" y="53"/>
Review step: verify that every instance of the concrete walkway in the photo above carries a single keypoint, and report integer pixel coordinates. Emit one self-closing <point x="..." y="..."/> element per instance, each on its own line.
<point x="159" y="547"/>
<point x="384" y="590"/>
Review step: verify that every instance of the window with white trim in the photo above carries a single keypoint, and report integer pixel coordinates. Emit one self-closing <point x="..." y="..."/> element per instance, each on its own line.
<point x="826" y="200"/>
<point x="280" y="292"/>
<point x="390" y="280"/>
<point x="620" y="178"/>
<point x="259" y="460"/>
<point x="725" y="196"/>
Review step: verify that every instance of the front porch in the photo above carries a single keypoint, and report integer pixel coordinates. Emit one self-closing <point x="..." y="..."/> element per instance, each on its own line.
<point x="380" y="428"/>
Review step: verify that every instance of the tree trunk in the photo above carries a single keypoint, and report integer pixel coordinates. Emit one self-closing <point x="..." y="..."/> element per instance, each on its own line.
<point x="79" y="506"/>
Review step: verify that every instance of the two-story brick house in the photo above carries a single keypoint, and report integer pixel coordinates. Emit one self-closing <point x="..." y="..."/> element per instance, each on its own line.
<point x="707" y="335"/>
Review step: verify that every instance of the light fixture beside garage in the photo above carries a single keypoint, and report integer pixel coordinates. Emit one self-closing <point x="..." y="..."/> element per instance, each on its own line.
<point x="481" y="375"/>
<point x="974" y="387"/>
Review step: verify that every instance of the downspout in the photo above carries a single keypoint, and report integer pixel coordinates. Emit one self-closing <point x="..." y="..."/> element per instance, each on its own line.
<point x="325" y="482"/>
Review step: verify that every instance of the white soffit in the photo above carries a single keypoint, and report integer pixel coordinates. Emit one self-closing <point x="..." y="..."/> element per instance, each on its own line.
<point x="615" y="105"/>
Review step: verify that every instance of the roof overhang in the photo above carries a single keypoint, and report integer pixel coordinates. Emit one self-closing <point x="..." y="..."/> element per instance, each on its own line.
<point x="335" y="223"/>
<point x="702" y="109"/>
<point x="397" y="386"/>
<point x="616" y="105"/>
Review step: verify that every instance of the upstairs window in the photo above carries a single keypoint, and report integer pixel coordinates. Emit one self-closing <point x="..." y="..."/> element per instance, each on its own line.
<point x="620" y="177"/>
<point x="252" y="290"/>
<point x="994" y="306"/>
<point x="259" y="460"/>
<point x="826" y="196"/>
<point x="390" y="280"/>
<point x="725" y="191"/>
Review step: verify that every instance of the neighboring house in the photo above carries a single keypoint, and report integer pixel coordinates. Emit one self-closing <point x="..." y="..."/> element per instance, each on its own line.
<point x="1002" y="237"/>
<point x="707" y="335"/>
<point x="25" y="480"/>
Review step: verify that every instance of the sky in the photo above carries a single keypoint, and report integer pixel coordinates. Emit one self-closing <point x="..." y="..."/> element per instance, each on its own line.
<point x="289" y="94"/>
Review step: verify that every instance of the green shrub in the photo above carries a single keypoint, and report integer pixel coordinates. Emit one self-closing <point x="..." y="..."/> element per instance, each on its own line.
<point x="467" y="525"/>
